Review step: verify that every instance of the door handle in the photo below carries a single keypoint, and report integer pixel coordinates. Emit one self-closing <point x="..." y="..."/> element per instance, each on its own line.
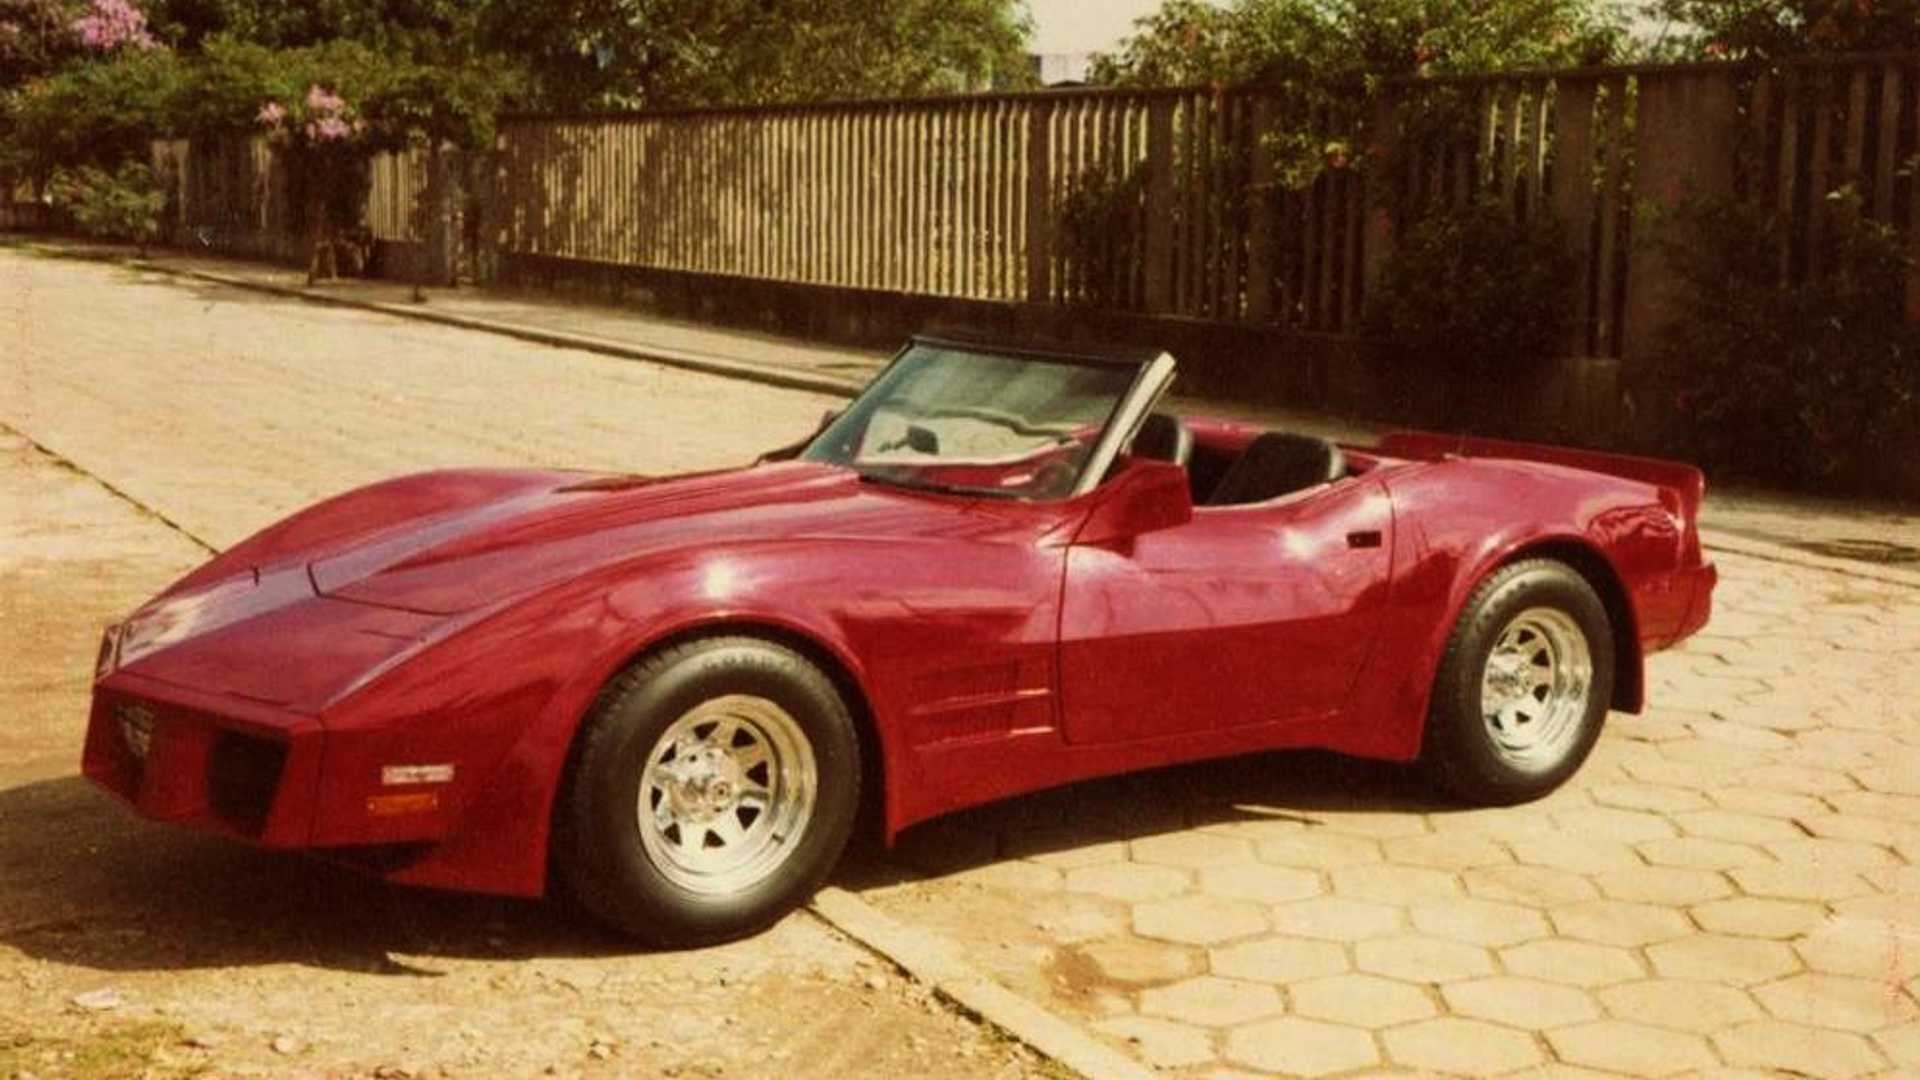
<point x="1368" y="538"/>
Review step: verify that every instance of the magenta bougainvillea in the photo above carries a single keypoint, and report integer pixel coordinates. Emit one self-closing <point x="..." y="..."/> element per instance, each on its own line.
<point x="323" y="116"/>
<point x="110" y="25"/>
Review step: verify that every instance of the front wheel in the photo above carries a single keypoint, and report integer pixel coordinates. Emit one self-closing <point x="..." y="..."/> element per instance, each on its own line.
<point x="1524" y="685"/>
<point x="712" y="788"/>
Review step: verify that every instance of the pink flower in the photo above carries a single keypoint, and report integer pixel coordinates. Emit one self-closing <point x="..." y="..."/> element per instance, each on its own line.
<point x="328" y="129"/>
<point x="112" y="24"/>
<point x="272" y="115"/>
<point x="324" y="101"/>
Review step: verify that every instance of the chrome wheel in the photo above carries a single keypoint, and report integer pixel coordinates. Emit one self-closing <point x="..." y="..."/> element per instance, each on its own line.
<point x="726" y="793"/>
<point x="1534" y="690"/>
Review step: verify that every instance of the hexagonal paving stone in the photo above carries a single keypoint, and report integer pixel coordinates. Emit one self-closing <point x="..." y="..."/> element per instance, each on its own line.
<point x="1012" y="874"/>
<point x="1823" y="855"/>
<point x="1190" y="849"/>
<point x="1808" y="1051"/>
<point x="1259" y="881"/>
<point x="1318" y="849"/>
<point x="1128" y="881"/>
<point x="1479" y="922"/>
<point x="1130" y="960"/>
<point x="1531" y="1004"/>
<point x="1722" y="959"/>
<point x="1664" y="800"/>
<point x="1749" y="916"/>
<point x="1387" y="884"/>
<point x="1865" y="947"/>
<point x="1794" y="883"/>
<point x="1701" y="1007"/>
<point x="1301" y="1047"/>
<point x="1671" y="885"/>
<point x="1575" y="853"/>
<point x="1446" y="851"/>
<point x="1836" y="1001"/>
<point x="1166" y="1044"/>
<point x="1613" y="823"/>
<point x="1804" y="779"/>
<point x="1335" y="918"/>
<point x="1619" y="922"/>
<point x="1702" y="853"/>
<point x="1361" y="1000"/>
<point x="1635" y="1049"/>
<point x="1901" y="1045"/>
<point x="1737" y="827"/>
<point x="1768" y="802"/>
<point x="1279" y="960"/>
<point x="1211" y="1001"/>
<point x="1575" y="963"/>
<point x="1423" y="959"/>
<point x="1198" y="920"/>
<point x="1451" y="1044"/>
<point x="1538" y="885"/>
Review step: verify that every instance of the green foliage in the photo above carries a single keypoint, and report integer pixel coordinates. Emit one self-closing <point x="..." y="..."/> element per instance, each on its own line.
<point x="1305" y="41"/>
<point x="1808" y="383"/>
<point x="656" y="53"/>
<point x="120" y="205"/>
<point x="36" y="36"/>
<point x="1778" y="29"/>
<point x="1101" y="238"/>
<point x="1475" y="298"/>
<point x="95" y="113"/>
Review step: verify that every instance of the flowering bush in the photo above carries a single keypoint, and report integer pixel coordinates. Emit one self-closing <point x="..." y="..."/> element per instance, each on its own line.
<point x="110" y="25"/>
<point x="321" y="117"/>
<point x="122" y="205"/>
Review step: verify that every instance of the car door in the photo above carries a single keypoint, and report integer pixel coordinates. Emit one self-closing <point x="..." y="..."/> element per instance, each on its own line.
<point x="1243" y="615"/>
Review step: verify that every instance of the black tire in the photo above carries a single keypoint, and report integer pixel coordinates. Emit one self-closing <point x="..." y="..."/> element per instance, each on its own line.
<point x="1463" y="753"/>
<point x="600" y="858"/>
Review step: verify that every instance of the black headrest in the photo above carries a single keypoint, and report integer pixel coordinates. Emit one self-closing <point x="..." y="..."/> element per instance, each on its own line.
<point x="1278" y="463"/>
<point x="1164" y="438"/>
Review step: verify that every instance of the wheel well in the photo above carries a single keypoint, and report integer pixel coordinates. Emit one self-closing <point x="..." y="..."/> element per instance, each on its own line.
<point x="1628" y="671"/>
<point x="871" y="821"/>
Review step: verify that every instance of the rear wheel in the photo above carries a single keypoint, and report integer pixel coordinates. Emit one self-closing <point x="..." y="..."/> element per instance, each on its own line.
<point x="1523" y="688"/>
<point x="712" y="789"/>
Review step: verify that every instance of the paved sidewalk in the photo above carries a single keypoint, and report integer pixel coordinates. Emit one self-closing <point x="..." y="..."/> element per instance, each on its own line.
<point x="1883" y="536"/>
<point x="1732" y="882"/>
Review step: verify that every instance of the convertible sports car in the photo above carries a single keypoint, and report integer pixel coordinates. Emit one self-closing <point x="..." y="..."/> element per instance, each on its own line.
<point x="997" y="570"/>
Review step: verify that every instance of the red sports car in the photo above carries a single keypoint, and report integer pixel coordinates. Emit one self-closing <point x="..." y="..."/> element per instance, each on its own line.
<point x="997" y="570"/>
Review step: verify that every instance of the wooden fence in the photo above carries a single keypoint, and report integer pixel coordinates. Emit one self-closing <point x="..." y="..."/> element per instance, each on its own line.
<point x="1168" y="203"/>
<point x="1161" y="203"/>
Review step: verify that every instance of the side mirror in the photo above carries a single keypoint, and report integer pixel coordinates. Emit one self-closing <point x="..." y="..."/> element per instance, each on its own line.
<point x="1147" y="496"/>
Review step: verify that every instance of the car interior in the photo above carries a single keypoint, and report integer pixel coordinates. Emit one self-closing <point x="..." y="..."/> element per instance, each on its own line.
<point x="1274" y="464"/>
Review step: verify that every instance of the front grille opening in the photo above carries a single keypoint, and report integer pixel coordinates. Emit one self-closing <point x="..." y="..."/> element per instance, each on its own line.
<point x="243" y="772"/>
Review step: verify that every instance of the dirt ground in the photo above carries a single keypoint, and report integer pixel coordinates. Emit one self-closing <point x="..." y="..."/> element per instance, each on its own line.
<point x="128" y="949"/>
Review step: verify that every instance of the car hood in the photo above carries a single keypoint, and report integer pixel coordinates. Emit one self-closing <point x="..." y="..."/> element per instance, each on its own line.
<point x="317" y="605"/>
<point x="476" y="555"/>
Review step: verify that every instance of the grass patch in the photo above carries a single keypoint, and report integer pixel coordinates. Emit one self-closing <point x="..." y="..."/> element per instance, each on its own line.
<point x="131" y="1049"/>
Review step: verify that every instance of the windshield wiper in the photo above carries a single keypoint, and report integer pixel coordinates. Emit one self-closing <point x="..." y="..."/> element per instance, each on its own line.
<point x="917" y="484"/>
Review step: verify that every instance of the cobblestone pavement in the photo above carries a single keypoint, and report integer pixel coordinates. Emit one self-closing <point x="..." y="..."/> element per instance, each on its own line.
<point x="1730" y="883"/>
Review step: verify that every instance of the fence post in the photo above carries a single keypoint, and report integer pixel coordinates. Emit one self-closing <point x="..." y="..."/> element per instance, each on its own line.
<point x="1039" y="204"/>
<point x="1684" y="142"/>
<point x="1382" y="161"/>
<point x="1159" y="206"/>
<point x="1572" y="196"/>
<point x="1260" y="216"/>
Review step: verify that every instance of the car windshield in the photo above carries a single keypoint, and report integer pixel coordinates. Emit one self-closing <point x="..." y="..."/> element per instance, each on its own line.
<point x="952" y="419"/>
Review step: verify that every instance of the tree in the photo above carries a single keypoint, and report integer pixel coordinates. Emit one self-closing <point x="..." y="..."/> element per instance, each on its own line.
<point x="651" y="53"/>
<point x="1308" y="41"/>
<point x="1776" y="29"/>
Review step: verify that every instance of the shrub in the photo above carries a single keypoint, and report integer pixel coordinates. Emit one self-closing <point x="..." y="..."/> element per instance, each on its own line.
<point x="1807" y="383"/>
<point x="1476" y="299"/>
<point x="122" y="205"/>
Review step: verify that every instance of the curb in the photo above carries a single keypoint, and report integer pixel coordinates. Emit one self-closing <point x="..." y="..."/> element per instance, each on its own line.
<point x="938" y="963"/>
<point x="1715" y="540"/>
<point x="787" y="378"/>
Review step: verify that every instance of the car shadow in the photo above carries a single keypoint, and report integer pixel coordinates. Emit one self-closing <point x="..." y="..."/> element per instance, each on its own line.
<point x="1296" y="785"/>
<point x="85" y="883"/>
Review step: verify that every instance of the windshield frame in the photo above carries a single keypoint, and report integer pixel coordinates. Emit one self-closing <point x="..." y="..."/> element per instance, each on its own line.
<point x="1152" y="374"/>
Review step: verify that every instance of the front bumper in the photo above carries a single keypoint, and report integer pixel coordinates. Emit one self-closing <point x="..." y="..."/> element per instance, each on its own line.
<point x="256" y="772"/>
